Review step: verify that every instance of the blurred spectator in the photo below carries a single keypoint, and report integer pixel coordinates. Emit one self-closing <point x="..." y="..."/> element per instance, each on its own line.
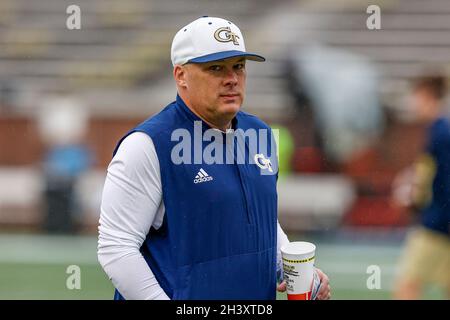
<point x="7" y="95"/>
<point x="62" y="123"/>
<point x="425" y="189"/>
<point x="341" y="90"/>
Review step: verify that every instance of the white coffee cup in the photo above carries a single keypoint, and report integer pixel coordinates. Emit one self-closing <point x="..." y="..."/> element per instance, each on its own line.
<point x="298" y="266"/>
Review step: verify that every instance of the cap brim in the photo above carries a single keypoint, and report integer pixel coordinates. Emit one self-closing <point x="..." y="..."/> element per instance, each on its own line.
<point x="227" y="54"/>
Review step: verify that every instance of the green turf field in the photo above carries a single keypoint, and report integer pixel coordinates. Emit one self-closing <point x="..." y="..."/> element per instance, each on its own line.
<point x="34" y="267"/>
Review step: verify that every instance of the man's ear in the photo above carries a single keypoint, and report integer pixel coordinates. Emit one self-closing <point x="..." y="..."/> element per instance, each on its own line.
<point x="179" y="74"/>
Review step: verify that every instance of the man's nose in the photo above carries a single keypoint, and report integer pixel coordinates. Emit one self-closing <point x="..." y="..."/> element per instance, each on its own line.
<point x="231" y="78"/>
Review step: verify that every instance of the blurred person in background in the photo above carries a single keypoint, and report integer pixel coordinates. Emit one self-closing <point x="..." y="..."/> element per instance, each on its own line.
<point x="424" y="188"/>
<point x="338" y="90"/>
<point x="171" y="231"/>
<point x="62" y="124"/>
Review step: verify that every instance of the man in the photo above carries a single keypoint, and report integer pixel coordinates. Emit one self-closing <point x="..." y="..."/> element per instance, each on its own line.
<point x="176" y="225"/>
<point x="425" y="188"/>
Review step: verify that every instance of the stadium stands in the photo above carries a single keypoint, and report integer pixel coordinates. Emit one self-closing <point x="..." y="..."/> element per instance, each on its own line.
<point x="118" y="63"/>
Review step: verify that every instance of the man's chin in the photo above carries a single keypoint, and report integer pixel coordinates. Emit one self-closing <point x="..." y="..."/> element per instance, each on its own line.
<point x="230" y="104"/>
<point x="230" y="109"/>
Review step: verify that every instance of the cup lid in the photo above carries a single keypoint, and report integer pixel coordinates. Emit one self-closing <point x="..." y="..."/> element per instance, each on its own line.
<point x="298" y="247"/>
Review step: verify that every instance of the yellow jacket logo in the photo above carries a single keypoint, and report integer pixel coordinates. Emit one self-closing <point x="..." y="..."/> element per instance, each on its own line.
<point x="225" y="34"/>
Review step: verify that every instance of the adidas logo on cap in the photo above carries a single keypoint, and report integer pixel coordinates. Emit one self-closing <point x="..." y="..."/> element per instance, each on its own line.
<point x="202" y="176"/>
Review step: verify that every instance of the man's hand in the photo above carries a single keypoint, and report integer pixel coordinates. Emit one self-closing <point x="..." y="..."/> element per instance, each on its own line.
<point x="324" y="289"/>
<point x="281" y="287"/>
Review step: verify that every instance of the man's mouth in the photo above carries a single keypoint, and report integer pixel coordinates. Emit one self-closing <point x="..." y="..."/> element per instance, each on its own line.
<point x="230" y="95"/>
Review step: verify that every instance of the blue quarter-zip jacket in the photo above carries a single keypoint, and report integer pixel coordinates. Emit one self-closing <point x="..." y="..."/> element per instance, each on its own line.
<point x="218" y="237"/>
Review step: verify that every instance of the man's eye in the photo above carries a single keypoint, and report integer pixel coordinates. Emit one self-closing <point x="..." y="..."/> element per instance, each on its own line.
<point x="239" y="66"/>
<point x="215" y="68"/>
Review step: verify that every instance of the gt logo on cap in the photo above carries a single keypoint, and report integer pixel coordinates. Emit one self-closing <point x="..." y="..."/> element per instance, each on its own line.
<point x="225" y="34"/>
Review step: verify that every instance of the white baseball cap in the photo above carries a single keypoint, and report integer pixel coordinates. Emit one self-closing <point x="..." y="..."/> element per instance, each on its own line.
<point x="209" y="39"/>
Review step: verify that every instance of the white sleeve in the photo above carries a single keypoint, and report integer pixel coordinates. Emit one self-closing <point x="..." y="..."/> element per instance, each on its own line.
<point x="131" y="204"/>
<point x="282" y="239"/>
